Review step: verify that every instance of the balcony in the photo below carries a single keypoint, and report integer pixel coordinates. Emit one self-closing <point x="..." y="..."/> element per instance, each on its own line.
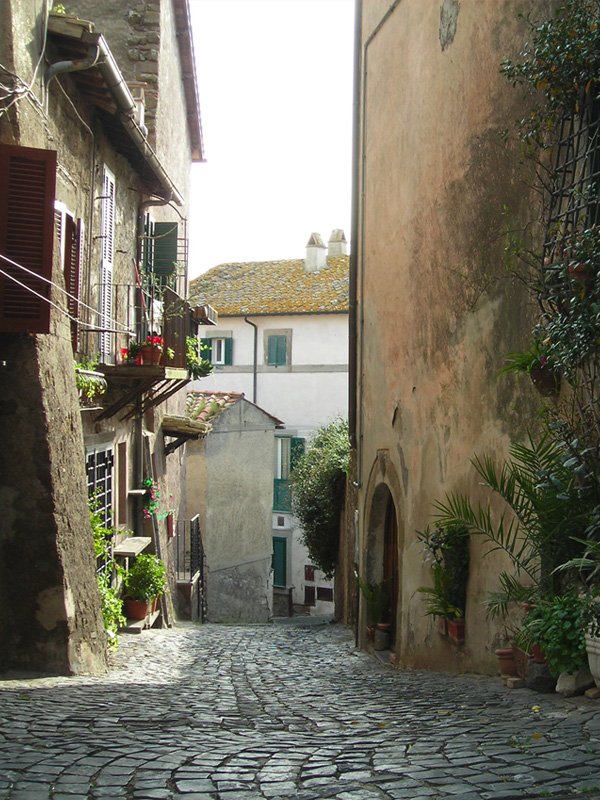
<point x="158" y="313"/>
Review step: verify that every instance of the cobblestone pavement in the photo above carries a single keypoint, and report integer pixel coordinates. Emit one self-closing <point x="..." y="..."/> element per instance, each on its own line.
<point x="242" y="713"/>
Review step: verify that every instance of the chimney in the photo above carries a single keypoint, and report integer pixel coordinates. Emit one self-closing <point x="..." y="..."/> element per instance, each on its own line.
<point x="316" y="253"/>
<point x="337" y="243"/>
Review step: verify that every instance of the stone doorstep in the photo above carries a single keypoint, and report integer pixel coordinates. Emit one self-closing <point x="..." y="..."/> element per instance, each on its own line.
<point x="138" y="625"/>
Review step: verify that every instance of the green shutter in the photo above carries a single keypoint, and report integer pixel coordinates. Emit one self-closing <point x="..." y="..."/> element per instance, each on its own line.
<point x="165" y="248"/>
<point x="279" y="561"/>
<point x="282" y="495"/>
<point x="277" y="351"/>
<point x="296" y="451"/>
<point x="228" y="351"/>
<point x="206" y="349"/>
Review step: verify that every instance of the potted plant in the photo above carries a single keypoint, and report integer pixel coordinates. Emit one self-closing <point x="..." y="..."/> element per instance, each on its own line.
<point x="90" y="384"/>
<point x="557" y="626"/>
<point x="144" y="583"/>
<point x="197" y="366"/>
<point x="446" y="550"/>
<point x="152" y="348"/>
<point x="374" y="596"/>
<point x="538" y="364"/>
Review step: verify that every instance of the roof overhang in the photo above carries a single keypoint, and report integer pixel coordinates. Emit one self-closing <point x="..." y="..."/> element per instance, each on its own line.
<point x="188" y="71"/>
<point x="104" y="86"/>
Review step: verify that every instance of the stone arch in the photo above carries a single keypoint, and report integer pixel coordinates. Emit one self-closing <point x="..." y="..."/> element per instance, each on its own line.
<point x="383" y="538"/>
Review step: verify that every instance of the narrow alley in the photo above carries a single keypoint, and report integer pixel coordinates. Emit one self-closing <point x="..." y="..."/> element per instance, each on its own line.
<point x="274" y="711"/>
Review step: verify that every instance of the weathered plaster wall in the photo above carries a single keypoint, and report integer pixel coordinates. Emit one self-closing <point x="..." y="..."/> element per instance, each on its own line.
<point x="51" y="618"/>
<point x="230" y="483"/>
<point x="438" y="310"/>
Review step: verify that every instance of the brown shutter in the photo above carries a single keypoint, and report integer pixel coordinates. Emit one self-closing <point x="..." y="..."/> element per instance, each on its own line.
<point x="72" y="267"/>
<point x="27" y="184"/>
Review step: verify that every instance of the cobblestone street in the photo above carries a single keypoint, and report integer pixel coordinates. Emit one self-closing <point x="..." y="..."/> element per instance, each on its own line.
<point x="241" y="713"/>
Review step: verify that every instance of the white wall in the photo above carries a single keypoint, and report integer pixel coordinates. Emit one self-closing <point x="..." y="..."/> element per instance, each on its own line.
<point x="306" y="394"/>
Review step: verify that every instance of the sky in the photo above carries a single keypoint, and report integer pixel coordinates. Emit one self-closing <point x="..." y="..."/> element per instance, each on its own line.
<point x="275" y="89"/>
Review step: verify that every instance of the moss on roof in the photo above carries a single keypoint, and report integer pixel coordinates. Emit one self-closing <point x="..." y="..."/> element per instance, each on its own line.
<point x="274" y="287"/>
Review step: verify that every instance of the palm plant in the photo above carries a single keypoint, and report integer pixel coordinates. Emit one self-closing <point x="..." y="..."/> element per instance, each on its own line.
<point x="539" y="525"/>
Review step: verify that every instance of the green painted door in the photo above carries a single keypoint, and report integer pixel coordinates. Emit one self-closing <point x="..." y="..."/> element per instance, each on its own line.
<point x="279" y="562"/>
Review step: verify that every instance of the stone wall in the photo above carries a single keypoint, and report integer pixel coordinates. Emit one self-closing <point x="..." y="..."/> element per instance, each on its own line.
<point x="438" y="309"/>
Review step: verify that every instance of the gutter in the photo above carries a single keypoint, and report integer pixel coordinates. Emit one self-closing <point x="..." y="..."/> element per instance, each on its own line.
<point x="353" y="279"/>
<point x="255" y="363"/>
<point x="104" y="61"/>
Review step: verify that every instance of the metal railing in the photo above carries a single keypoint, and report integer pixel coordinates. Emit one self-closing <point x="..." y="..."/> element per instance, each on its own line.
<point x="158" y="312"/>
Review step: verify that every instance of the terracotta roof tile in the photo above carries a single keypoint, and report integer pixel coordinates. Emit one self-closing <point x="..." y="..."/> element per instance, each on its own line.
<point x="274" y="287"/>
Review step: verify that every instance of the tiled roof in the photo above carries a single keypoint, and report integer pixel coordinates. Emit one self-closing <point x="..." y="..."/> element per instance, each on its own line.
<point x="204" y="406"/>
<point x="274" y="287"/>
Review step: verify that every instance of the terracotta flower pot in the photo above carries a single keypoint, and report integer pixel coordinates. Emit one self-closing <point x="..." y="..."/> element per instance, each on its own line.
<point x="151" y="354"/>
<point x="545" y="381"/>
<point x="456" y="630"/>
<point x="137" y="609"/>
<point x="507" y="663"/>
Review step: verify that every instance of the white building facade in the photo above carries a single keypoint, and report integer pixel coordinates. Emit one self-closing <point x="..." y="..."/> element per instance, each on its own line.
<point x="282" y="340"/>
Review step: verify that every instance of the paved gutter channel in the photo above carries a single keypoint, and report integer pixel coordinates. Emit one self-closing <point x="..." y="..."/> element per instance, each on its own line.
<point x="220" y="712"/>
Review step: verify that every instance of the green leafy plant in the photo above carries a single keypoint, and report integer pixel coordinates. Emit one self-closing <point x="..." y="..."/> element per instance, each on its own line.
<point x="146" y="579"/>
<point x="375" y="596"/>
<point x="318" y="490"/>
<point x="559" y="67"/>
<point x="89" y="386"/>
<point x="112" y="605"/>
<point x="557" y="624"/>
<point x="446" y="549"/>
<point x="197" y="366"/>
<point x="537" y="357"/>
<point x="543" y="512"/>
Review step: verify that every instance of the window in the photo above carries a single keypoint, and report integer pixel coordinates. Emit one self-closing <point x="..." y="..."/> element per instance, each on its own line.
<point x="70" y="238"/>
<point x="99" y="470"/>
<point x="325" y="593"/>
<point x="287" y="451"/>
<point x="279" y="561"/>
<point x="276" y="350"/>
<point x="107" y="230"/>
<point x="218" y="350"/>
<point x="28" y="179"/>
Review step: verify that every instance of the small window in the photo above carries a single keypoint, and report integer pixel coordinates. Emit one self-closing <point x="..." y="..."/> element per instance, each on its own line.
<point x="309" y="595"/>
<point x="309" y="573"/>
<point x="218" y="350"/>
<point x="277" y="351"/>
<point x="325" y="593"/>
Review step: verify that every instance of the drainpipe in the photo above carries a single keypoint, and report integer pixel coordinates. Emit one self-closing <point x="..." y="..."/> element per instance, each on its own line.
<point x="60" y="67"/>
<point x="103" y="59"/>
<point x="255" y="365"/>
<point x="352" y="291"/>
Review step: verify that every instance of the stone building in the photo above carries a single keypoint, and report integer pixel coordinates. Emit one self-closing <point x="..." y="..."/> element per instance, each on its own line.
<point x="432" y="310"/>
<point x="93" y="255"/>
<point x="282" y="340"/>
<point x="235" y="453"/>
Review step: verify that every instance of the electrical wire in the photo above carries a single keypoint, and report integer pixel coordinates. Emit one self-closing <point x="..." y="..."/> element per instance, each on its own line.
<point x="123" y="328"/>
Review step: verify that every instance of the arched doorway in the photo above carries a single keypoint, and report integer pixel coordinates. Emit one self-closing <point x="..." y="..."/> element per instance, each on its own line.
<point x="382" y="561"/>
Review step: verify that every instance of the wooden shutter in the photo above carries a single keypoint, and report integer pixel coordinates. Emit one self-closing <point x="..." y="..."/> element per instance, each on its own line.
<point x="27" y="181"/>
<point x="73" y="236"/>
<point x="107" y="232"/>
<point x="296" y="451"/>
<point x="228" y="351"/>
<point x="206" y="349"/>
<point x="165" y="248"/>
<point x="276" y="351"/>
<point x="279" y="561"/>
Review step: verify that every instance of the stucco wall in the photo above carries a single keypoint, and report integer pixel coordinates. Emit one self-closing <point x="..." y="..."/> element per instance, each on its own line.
<point x="230" y="484"/>
<point x="306" y="394"/>
<point x="438" y="310"/>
